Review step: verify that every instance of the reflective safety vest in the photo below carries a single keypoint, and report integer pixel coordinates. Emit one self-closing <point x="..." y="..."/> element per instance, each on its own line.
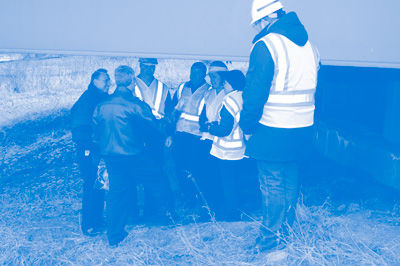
<point x="231" y="147"/>
<point x="192" y="106"/>
<point x="213" y="104"/>
<point x="154" y="95"/>
<point x="291" y="101"/>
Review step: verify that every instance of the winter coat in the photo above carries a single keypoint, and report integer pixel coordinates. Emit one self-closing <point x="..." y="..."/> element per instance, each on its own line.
<point x="82" y="116"/>
<point x="270" y="143"/>
<point x="125" y="125"/>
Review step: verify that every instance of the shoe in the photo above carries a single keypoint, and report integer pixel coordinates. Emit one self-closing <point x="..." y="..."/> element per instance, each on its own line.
<point x="116" y="243"/>
<point x="267" y="245"/>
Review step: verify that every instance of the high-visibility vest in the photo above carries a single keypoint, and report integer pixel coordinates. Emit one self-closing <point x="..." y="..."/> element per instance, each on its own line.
<point x="213" y="104"/>
<point x="154" y="95"/>
<point x="291" y="100"/>
<point x="231" y="147"/>
<point x="193" y="105"/>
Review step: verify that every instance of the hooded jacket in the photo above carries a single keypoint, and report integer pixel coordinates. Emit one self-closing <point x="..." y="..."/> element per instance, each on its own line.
<point x="269" y="143"/>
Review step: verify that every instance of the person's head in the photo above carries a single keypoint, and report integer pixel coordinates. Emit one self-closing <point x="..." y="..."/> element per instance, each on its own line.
<point x="235" y="78"/>
<point x="101" y="80"/>
<point x="147" y="66"/>
<point x="214" y="71"/>
<point x="265" y="12"/>
<point x="198" y="72"/>
<point x="124" y="76"/>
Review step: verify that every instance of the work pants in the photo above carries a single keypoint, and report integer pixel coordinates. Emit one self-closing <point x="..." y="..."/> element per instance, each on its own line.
<point x="124" y="174"/>
<point x="92" y="199"/>
<point x="192" y="155"/>
<point x="278" y="184"/>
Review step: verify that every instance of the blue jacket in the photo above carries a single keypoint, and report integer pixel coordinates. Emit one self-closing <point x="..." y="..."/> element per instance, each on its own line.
<point x="268" y="143"/>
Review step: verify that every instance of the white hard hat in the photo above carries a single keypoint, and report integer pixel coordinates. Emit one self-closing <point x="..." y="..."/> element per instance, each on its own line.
<point x="263" y="8"/>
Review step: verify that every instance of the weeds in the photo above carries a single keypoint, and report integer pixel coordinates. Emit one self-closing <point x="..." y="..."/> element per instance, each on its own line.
<point x="40" y="203"/>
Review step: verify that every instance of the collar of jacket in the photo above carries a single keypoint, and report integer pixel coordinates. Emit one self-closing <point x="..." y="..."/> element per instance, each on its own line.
<point x="123" y="91"/>
<point x="94" y="89"/>
<point x="289" y="26"/>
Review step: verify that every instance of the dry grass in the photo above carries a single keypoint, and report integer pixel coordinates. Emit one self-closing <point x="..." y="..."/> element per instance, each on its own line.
<point x="40" y="208"/>
<point x="40" y="198"/>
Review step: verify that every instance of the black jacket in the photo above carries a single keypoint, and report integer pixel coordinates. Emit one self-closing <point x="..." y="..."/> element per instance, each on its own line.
<point x="125" y="125"/>
<point x="82" y="116"/>
<point x="268" y="143"/>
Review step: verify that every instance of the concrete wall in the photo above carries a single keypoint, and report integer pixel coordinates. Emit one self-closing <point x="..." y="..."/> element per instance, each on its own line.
<point x="358" y="119"/>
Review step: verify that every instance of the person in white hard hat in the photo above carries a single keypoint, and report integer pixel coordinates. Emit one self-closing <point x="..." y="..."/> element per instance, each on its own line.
<point x="278" y="112"/>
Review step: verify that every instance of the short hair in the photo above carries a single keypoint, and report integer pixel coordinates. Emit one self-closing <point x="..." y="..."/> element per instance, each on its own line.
<point x="97" y="73"/>
<point x="199" y="65"/>
<point x="235" y="78"/>
<point x="125" y="70"/>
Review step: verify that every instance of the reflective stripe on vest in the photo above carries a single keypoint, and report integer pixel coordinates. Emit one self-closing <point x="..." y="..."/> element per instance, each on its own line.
<point x="291" y="101"/>
<point x="189" y="119"/>
<point x="231" y="147"/>
<point x="180" y="89"/>
<point x="214" y="103"/>
<point x="155" y="101"/>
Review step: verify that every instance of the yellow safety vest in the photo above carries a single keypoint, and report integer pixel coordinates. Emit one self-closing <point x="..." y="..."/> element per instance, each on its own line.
<point x="193" y="105"/>
<point x="291" y="100"/>
<point x="231" y="147"/>
<point x="154" y="95"/>
<point x="213" y="104"/>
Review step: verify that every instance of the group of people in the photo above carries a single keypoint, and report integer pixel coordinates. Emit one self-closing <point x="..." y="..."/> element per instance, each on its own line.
<point x="267" y="116"/>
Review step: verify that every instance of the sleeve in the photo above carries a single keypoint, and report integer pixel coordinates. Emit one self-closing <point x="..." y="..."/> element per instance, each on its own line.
<point x="170" y="103"/>
<point x="143" y="116"/>
<point x="203" y="119"/>
<point x="225" y="126"/>
<point x="258" y="83"/>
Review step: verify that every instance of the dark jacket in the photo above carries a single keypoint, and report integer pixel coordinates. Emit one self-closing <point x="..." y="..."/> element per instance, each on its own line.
<point x="82" y="116"/>
<point x="268" y="143"/>
<point x="125" y="125"/>
<point x="220" y="129"/>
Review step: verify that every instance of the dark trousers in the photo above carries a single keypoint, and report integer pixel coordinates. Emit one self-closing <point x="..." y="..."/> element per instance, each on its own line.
<point x="278" y="184"/>
<point x="192" y="155"/>
<point x="125" y="172"/>
<point x="93" y="199"/>
<point x="230" y="171"/>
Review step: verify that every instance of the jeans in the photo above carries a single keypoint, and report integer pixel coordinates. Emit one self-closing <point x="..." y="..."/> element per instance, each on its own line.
<point x="278" y="184"/>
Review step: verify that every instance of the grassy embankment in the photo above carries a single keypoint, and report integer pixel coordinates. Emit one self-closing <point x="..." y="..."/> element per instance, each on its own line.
<point x="40" y="208"/>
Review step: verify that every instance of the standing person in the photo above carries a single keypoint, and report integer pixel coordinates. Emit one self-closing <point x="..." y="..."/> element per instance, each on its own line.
<point x="124" y="125"/>
<point x="278" y="112"/>
<point x="88" y="152"/>
<point x="157" y="95"/>
<point x="188" y="149"/>
<point x="210" y="180"/>
<point x="228" y="145"/>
